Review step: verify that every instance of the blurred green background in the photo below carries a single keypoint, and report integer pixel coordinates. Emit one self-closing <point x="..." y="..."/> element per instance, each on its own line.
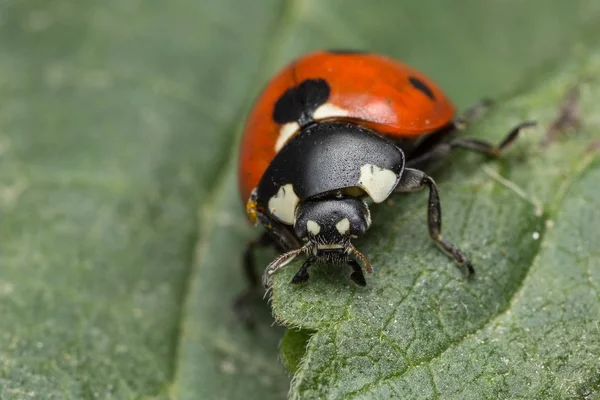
<point x="119" y="232"/>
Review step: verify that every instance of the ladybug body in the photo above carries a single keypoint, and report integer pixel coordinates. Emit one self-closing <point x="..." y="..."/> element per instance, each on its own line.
<point x="332" y="132"/>
<point x="370" y="90"/>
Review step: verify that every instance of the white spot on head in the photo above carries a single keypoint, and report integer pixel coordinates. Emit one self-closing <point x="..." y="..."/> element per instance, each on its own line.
<point x="313" y="227"/>
<point x="535" y="235"/>
<point x="283" y="204"/>
<point x="285" y="133"/>
<point x="377" y="182"/>
<point x="327" y="111"/>
<point x="342" y="226"/>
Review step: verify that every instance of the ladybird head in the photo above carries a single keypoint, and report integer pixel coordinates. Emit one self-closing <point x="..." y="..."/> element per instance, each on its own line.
<point x="329" y="225"/>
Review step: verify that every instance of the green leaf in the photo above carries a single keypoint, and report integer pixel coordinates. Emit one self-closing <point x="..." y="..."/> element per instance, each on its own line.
<point x="115" y="118"/>
<point x="293" y="347"/>
<point x="525" y="327"/>
<point x="120" y="227"/>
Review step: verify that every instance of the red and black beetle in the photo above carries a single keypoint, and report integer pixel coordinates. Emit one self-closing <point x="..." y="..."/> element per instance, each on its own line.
<point x="331" y="130"/>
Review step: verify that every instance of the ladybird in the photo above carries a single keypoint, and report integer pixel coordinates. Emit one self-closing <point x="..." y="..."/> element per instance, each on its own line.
<point x="333" y="133"/>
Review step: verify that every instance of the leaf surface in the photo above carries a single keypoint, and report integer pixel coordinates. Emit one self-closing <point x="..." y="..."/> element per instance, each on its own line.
<point x="525" y="327"/>
<point x="120" y="227"/>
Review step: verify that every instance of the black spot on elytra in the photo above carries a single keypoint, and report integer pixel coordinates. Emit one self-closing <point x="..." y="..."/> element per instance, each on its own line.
<point x="422" y="87"/>
<point x="299" y="103"/>
<point x="346" y="51"/>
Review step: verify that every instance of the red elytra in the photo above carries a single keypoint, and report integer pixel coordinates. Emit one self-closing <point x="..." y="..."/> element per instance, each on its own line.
<point x="384" y="95"/>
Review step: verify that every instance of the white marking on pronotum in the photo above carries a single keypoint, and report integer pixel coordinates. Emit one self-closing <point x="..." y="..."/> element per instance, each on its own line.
<point x="327" y="111"/>
<point x="283" y="204"/>
<point x="377" y="182"/>
<point x="313" y="227"/>
<point x="342" y="226"/>
<point x="285" y="133"/>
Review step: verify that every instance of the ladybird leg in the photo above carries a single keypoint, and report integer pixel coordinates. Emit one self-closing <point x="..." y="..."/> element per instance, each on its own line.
<point x="241" y="302"/>
<point x="473" y="113"/>
<point x="412" y="180"/>
<point x="281" y="262"/>
<point x="357" y="275"/>
<point x="430" y="158"/>
<point x="483" y="147"/>
<point x="282" y="234"/>
<point x="443" y="150"/>
<point x="276" y="234"/>
<point x="263" y="241"/>
<point x="302" y="274"/>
